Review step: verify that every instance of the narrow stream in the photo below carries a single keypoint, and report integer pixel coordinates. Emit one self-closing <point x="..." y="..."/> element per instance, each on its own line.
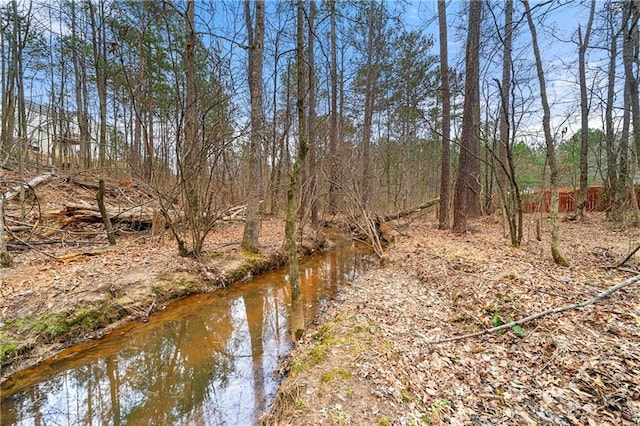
<point x="206" y="360"/>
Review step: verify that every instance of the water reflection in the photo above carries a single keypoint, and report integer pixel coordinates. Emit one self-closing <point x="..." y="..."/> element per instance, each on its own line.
<point x="208" y="359"/>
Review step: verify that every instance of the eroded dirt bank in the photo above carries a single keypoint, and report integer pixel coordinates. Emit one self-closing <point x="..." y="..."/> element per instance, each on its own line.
<point x="371" y="362"/>
<point x="69" y="293"/>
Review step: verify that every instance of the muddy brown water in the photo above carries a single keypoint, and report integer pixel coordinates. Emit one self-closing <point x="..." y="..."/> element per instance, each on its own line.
<point x="205" y="360"/>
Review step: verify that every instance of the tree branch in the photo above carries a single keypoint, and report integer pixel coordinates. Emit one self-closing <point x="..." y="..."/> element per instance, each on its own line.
<point x="512" y="324"/>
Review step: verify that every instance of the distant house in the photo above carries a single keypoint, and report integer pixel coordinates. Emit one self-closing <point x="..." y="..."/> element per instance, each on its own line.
<point x="54" y="134"/>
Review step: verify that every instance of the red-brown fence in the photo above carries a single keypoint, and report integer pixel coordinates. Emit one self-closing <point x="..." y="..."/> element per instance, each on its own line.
<point x="539" y="200"/>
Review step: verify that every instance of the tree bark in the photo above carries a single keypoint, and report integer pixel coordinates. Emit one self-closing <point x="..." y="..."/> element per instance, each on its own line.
<point x="445" y="171"/>
<point x="333" y="131"/>
<point x="190" y="169"/>
<point x="313" y="172"/>
<point x="632" y="38"/>
<point x="100" y="62"/>
<point x="293" y="188"/>
<point x="558" y="258"/>
<point x="255" y="36"/>
<point x="369" y="102"/>
<point x="5" y="258"/>
<point x="614" y="190"/>
<point x="466" y="197"/>
<point x="584" y="110"/>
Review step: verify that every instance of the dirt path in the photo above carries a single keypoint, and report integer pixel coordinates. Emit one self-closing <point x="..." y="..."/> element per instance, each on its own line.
<point x="372" y="363"/>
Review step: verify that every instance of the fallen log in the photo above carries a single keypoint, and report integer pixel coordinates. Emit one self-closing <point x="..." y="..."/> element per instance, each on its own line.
<point x="408" y="212"/>
<point x="90" y="213"/>
<point x="13" y="192"/>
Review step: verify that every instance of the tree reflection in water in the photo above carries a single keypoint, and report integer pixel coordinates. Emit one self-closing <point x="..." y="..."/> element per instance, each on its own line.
<point x="207" y="359"/>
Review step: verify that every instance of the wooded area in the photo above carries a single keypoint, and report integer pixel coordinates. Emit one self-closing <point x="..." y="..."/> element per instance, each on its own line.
<point x="356" y="113"/>
<point x="156" y="149"/>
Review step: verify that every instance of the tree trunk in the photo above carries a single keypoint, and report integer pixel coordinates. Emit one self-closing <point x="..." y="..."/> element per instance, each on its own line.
<point x="333" y="131"/>
<point x="584" y="110"/>
<point x="5" y="258"/>
<point x="445" y="171"/>
<point x="100" y="61"/>
<point x="466" y="197"/>
<point x="625" y="177"/>
<point x="293" y="188"/>
<point x="558" y="258"/>
<point x="313" y="172"/>
<point x="632" y="38"/>
<point x="9" y="95"/>
<point x="190" y="167"/>
<point x="255" y="36"/>
<point x="370" y="78"/>
<point x="614" y="187"/>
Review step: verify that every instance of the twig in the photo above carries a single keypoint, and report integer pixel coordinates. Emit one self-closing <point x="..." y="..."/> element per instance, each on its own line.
<point x="512" y="324"/>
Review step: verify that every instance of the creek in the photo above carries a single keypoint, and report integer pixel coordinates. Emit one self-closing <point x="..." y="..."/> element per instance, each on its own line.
<point x="209" y="359"/>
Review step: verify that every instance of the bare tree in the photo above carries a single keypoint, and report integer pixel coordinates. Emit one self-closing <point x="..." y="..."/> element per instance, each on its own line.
<point x="506" y="173"/>
<point x="615" y="178"/>
<point x="445" y="171"/>
<point x="371" y="76"/>
<point x="81" y="89"/>
<point x="255" y="37"/>
<point x="293" y="189"/>
<point x="333" y="132"/>
<point x="558" y="258"/>
<point x="191" y="168"/>
<point x="313" y="148"/>
<point x="583" y="45"/>
<point x="631" y="55"/>
<point x="99" y="46"/>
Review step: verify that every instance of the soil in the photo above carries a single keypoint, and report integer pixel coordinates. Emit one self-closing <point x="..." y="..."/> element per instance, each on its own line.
<point x="373" y="360"/>
<point x="68" y="286"/>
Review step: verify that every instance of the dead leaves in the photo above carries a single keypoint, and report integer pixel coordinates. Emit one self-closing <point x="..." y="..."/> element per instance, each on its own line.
<point x="577" y="367"/>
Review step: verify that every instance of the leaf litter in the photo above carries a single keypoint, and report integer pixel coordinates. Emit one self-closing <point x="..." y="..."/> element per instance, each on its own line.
<point x="579" y="367"/>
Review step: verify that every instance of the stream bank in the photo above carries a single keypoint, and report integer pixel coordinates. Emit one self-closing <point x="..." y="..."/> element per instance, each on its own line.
<point x="370" y="361"/>
<point x="48" y="305"/>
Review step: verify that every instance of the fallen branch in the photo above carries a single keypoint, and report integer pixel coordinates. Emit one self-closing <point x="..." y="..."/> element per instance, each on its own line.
<point x="512" y="324"/>
<point x="404" y="213"/>
<point x="629" y="256"/>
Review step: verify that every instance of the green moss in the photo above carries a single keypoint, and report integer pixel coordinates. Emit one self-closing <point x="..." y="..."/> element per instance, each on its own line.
<point x="256" y="258"/>
<point x="298" y="366"/>
<point x="300" y="405"/>
<point x="406" y="396"/>
<point x="384" y="421"/>
<point x="323" y="331"/>
<point x="50" y="326"/>
<point x="216" y="255"/>
<point x="318" y="354"/>
<point x="327" y="377"/>
<point x="7" y="350"/>
<point x="331" y="375"/>
<point x="158" y="290"/>
<point x="458" y="318"/>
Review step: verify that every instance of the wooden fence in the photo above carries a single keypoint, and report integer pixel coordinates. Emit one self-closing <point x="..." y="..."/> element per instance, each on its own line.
<point x="540" y="199"/>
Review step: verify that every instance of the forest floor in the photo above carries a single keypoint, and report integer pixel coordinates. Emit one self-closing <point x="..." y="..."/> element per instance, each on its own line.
<point x="68" y="286"/>
<point x="372" y="361"/>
